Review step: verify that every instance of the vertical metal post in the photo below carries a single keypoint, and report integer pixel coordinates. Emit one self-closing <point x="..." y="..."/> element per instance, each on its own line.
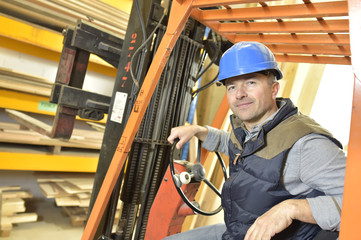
<point x="351" y="209"/>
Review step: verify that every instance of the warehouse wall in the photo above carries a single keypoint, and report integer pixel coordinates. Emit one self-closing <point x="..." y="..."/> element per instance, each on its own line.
<point x="333" y="103"/>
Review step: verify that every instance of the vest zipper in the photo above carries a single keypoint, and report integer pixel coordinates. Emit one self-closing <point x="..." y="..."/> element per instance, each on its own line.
<point x="237" y="157"/>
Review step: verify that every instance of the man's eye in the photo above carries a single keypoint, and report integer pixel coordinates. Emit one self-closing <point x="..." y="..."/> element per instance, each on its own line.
<point x="230" y="88"/>
<point x="251" y="82"/>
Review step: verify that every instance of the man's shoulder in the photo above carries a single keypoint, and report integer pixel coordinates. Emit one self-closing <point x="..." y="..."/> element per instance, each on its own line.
<point x="287" y="133"/>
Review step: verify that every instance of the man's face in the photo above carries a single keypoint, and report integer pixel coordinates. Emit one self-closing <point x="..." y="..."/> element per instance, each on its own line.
<point x="252" y="97"/>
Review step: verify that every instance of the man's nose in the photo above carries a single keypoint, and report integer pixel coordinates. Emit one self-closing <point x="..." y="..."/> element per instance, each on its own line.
<point x="241" y="92"/>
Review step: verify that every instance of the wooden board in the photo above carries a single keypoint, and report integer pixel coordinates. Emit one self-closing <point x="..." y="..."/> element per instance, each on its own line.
<point x="71" y="201"/>
<point x="51" y="190"/>
<point x="16" y="194"/>
<point x="12" y="209"/>
<point x="11" y="206"/>
<point x="7" y="188"/>
<point x="77" y="215"/>
<point x="21" y="218"/>
<point x="62" y="177"/>
<point x="97" y="126"/>
<point x="5" y="229"/>
<point x="10" y="79"/>
<point x="26" y="77"/>
<point x="68" y="189"/>
<point x="71" y="188"/>
<point x="71" y="192"/>
<point x="81" y="183"/>
<point x="83" y="139"/>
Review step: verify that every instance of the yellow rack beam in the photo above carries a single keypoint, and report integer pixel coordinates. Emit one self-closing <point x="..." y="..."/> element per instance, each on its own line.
<point x="47" y="162"/>
<point x="23" y="101"/>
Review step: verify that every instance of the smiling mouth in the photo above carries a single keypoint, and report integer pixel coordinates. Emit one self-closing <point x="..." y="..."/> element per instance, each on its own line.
<point x="243" y="105"/>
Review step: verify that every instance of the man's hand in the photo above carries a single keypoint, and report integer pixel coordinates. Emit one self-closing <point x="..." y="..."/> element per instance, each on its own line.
<point x="185" y="133"/>
<point x="278" y="218"/>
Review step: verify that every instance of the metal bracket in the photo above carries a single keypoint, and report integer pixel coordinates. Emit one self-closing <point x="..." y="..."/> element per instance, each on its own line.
<point x="89" y="105"/>
<point x="100" y="42"/>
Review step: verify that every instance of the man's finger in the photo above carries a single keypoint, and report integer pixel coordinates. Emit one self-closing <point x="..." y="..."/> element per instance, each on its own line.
<point x="179" y="144"/>
<point x="249" y="232"/>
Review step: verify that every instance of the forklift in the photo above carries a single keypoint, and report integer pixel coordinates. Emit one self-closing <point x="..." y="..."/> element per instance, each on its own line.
<point x="158" y="64"/>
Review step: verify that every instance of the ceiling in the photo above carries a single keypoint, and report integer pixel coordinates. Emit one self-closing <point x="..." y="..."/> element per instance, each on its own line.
<point x="296" y="31"/>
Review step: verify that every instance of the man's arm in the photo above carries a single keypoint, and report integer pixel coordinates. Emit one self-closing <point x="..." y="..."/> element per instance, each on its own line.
<point x="213" y="139"/>
<point x="279" y="218"/>
<point x="217" y="140"/>
<point x="323" y="168"/>
<point x="185" y="133"/>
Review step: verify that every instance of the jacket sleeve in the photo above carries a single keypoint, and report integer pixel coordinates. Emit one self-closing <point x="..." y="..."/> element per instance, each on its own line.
<point x="216" y="140"/>
<point x="322" y="167"/>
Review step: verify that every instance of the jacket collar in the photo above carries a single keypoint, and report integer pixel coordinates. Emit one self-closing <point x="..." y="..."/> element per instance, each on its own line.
<point x="286" y="109"/>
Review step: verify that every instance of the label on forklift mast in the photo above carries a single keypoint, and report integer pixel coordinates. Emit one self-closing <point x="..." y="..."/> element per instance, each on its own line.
<point x="119" y="107"/>
<point x="47" y="106"/>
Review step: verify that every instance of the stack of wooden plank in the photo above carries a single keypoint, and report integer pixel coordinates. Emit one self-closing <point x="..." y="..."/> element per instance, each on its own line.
<point x="71" y="191"/>
<point x="58" y="14"/>
<point x="13" y="80"/>
<point x="81" y="139"/>
<point x="12" y="209"/>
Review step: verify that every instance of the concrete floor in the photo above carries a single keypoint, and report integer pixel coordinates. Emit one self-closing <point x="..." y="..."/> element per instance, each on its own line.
<point x="52" y="223"/>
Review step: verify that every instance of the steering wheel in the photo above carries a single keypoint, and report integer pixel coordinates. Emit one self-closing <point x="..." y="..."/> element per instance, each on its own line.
<point x="196" y="172"/>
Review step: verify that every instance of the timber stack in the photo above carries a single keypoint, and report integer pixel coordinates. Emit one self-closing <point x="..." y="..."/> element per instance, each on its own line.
<point x="12" y="209"/>
<point x="71" y="192"/>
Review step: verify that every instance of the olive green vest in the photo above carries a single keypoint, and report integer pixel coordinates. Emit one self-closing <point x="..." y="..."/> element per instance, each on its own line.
<point x="285" y="134"/>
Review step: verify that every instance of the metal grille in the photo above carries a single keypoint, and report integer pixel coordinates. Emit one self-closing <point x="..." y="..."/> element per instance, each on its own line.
<point x="295" y="31"/>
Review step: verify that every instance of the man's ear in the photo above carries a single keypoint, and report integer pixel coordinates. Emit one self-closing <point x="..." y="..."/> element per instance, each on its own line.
<point x="275" y="89"/>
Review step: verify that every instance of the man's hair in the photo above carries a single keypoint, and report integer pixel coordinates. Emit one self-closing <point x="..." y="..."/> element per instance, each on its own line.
<point x="271" y="76"/>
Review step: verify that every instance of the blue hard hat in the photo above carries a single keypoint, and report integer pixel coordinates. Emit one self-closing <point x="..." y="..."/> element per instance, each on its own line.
<point x="247" y="57"/>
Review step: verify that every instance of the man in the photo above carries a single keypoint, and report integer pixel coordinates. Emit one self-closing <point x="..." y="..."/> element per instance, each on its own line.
<point x="286" y="171"/>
